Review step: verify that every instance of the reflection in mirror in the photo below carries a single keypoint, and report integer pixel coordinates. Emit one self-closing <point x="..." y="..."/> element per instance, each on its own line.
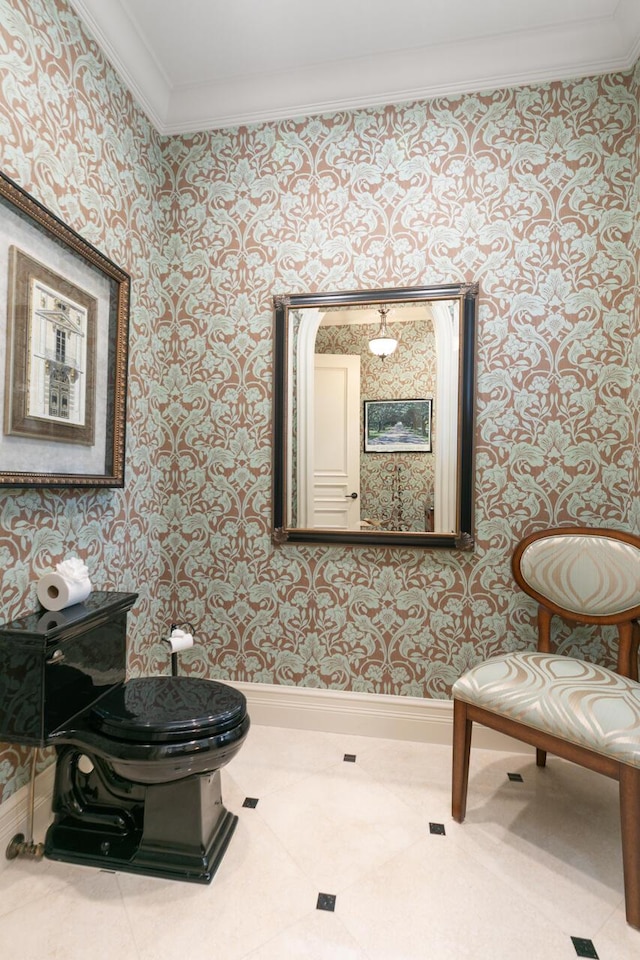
<point x="372" y="448"/>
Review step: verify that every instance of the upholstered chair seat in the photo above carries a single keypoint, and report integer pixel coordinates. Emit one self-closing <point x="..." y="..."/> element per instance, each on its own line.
<point x="579" y="702"/>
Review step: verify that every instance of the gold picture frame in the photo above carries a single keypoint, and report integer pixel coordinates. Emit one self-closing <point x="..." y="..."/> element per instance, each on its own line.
<point x="66" y="334"/>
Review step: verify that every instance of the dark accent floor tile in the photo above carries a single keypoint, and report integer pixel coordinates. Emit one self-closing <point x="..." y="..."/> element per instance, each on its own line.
<point x="326" y="901"/>
<point x="515" y="777"/>
<point x="349" y="758"/>
<point x="437" y="828"/>
<point x="584" y="948"/>
<point x="250" y="802"/>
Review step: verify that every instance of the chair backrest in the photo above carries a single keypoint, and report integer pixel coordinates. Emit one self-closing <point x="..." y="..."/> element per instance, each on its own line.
<point x="586" y="576"/>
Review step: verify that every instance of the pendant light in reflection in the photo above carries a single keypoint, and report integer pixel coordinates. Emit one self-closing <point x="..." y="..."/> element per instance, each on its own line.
<point x="383" y="344"/>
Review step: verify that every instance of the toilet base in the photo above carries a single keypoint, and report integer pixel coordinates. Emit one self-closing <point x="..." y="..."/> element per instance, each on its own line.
<point x="178" y="830"/>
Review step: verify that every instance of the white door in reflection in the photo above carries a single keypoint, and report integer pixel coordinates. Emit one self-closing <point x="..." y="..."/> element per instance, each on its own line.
<point x="336" y="442"/>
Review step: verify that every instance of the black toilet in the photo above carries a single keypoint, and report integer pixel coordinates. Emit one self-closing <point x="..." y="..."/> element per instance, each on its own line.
<point x="137" y="784"/>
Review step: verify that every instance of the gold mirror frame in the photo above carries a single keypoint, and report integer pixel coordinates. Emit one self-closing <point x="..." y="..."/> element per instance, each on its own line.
<point x="462" y="537"/>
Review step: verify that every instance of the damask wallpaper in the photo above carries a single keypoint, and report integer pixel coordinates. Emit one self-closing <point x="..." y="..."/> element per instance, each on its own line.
<point x="531" y="191"/>
<point x="71" y="136"/>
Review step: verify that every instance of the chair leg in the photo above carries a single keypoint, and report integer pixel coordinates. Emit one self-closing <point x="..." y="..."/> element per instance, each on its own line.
<point x="462" y="727"/>
<point x="630" y="828"/>
<point x="541" y="758"/>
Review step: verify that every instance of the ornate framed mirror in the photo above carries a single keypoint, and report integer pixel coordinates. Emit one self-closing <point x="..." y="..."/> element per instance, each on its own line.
<point x="374" y="417"/>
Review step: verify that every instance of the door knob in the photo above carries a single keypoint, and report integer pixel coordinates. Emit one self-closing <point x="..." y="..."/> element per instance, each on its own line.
<point x="351" y="496"/>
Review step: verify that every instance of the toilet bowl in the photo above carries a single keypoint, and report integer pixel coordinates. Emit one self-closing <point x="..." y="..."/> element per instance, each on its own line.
<point x="137" y="784"/>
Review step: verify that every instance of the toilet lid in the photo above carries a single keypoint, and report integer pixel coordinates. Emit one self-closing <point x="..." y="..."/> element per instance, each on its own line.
<point x="166" y="709"/>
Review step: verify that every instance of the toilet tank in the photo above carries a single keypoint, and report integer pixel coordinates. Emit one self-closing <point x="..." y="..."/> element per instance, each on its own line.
<point x="54" y="665"/>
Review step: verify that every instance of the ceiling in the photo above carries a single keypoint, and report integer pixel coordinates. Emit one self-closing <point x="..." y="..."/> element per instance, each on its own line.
<point x="204" y="64"/>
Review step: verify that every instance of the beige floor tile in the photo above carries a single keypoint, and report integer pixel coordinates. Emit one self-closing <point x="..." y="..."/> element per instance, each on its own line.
<point x="427" y="904"/>
<point x="340" y="824"/>
<point x="617" y="940"/>
<point x="273" y="758"/>
<point x="318" y="936"/>
<point x="85" y="917"/>
<point x="555" y="837"/>
<point x="534" y="864"/>
<point x="257" y="892"/>
<point x="25" y="881"/>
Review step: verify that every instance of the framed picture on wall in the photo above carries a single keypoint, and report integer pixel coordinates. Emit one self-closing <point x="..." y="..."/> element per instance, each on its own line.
<point x="65" y="334"/>
<point x="49" y="388"/>
<point x="397" y="426"/>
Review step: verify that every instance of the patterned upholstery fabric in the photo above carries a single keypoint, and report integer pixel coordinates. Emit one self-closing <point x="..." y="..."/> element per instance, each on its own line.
<point x="597" y="576"/>
<point x="578" y="701"/>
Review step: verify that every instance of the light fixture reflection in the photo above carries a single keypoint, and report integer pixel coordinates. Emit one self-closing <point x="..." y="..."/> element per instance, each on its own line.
<point x="383" y="344"/>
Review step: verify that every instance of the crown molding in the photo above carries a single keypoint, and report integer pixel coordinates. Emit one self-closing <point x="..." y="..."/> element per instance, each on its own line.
<point x="583" y="48"/>
<point x="112" y="29"/>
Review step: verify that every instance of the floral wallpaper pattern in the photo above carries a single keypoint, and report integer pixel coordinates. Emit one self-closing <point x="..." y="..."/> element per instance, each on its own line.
<point x="71" y="136"/>
<point x="533" y="192"/>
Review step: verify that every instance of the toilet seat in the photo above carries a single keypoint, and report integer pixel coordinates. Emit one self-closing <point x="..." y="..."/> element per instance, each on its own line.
<point x="168" y="710"/>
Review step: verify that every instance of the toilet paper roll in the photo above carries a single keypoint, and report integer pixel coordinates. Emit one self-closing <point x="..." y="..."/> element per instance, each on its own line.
<point x="179" y="640"/>
<point x="56" y="593"/>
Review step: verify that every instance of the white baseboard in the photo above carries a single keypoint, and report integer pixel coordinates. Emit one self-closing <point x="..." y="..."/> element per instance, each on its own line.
<point x="362" y="714"/>
<point x="14" y="811"/>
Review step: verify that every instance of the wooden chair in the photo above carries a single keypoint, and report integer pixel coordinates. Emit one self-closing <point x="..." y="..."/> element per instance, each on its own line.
<point x="574" y="709"/>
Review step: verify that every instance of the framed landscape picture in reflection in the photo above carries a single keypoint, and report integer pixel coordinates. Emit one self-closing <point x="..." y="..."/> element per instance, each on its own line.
<point x="397" y="426"/>
<point x="65" y="335"/>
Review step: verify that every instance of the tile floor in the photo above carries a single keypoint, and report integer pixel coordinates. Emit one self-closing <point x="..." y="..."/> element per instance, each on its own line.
<point x="535" y="864"/>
